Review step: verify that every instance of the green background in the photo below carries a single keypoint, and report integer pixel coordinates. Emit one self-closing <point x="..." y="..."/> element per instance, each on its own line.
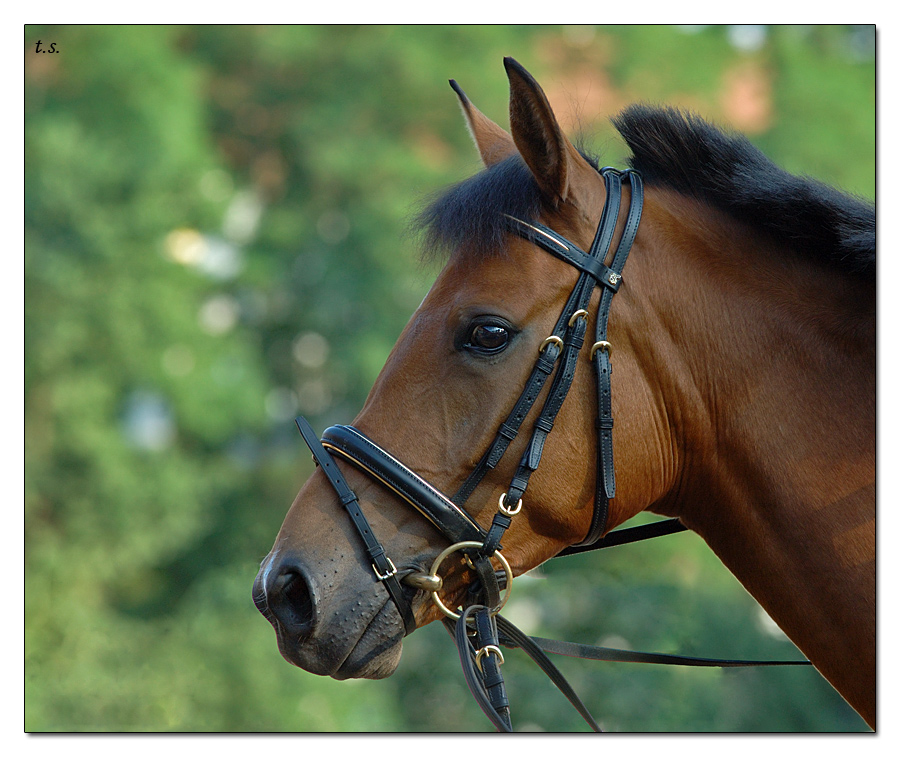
<point x="199" y="201"/>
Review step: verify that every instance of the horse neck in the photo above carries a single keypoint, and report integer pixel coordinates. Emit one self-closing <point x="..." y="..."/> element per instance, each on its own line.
<point x="765" y="358"/>
<point x="767" y="389"/>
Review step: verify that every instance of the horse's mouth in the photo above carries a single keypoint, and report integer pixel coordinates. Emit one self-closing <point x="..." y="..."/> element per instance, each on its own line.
<point x="359" y="637"/>
<point x="374" y="653"/>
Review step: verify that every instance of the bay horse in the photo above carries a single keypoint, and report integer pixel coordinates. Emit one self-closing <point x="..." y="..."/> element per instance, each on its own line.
<point x="743" y="342"/>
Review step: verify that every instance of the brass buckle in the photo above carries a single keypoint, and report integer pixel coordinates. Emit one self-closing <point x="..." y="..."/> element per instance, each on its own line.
<point x="554" y="339"/>
<point x="605" y="346"/>
<point x="486" y="650"/>
<point x="576" y="315"/>
<point x="469" y="545"/>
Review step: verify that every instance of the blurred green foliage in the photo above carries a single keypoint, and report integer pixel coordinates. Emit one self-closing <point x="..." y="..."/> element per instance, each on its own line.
<point x="201" y="200"/>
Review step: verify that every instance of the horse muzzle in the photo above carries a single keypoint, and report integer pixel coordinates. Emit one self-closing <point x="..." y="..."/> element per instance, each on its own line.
<point x="328" y="629"/>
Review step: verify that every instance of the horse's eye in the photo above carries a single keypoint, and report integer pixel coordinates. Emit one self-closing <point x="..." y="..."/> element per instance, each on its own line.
<point x="488" y="338"/>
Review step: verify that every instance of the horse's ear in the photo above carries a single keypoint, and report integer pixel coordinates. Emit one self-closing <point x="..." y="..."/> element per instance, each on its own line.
<point x="493" y="142"/>
<point x="552" y="158"/>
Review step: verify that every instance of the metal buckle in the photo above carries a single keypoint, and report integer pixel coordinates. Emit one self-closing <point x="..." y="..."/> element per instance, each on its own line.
<point x="576" y="315"/>
<point x="551" y="340"/>
<point x="470" y="545"/>
<point x="391" y="572"/>
<point x="507" y="511"/>
<point x="486" y="650"/>
<point x="605" y="346"/>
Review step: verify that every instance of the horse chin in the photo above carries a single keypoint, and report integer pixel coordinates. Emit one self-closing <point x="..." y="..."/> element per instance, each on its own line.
<point x="381" y="665"/>
<point x="374" y="654"/>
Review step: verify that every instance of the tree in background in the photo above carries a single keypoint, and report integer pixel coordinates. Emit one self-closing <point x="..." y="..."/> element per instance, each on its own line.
<point x="216" y="240"/>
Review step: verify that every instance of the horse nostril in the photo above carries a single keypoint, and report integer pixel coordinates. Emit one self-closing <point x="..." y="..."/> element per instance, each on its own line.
<point x="290" y="600"/>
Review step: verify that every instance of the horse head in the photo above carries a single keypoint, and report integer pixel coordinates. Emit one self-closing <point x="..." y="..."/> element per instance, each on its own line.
<point x="451" y="380"/>
<point x="744" y="343"/>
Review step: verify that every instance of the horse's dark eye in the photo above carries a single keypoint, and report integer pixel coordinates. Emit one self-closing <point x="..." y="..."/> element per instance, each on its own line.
<point x="488" y="338"/>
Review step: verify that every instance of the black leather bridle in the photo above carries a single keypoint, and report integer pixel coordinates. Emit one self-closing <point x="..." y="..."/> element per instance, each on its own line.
<point x="478" y="629"/>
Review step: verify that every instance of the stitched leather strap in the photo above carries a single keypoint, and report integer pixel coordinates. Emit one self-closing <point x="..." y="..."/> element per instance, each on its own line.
<point x="480" y="663"/>
<point x="549" y="240"/>
<point x="628" y="536"/>
<point x="358" y="449"/>
<point x="565" y="374"/>
<point x="381" y="563"/>
<point x="605" y="488"/>
<point x="513" y="637"/>
<point x="509" y="429"/>
<point x="592" y="266"/>
<point x="608" y="654"/>
<point x="484" y="680"/>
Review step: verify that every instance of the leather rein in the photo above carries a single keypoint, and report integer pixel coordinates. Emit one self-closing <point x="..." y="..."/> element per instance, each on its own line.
<point x="479" y="630"/>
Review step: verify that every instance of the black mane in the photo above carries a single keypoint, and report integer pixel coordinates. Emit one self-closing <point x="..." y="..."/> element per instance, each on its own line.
<point x="683" y="152"/>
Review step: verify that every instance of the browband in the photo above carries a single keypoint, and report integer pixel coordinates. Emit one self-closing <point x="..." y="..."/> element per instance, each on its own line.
<point x="549" y="240"/>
